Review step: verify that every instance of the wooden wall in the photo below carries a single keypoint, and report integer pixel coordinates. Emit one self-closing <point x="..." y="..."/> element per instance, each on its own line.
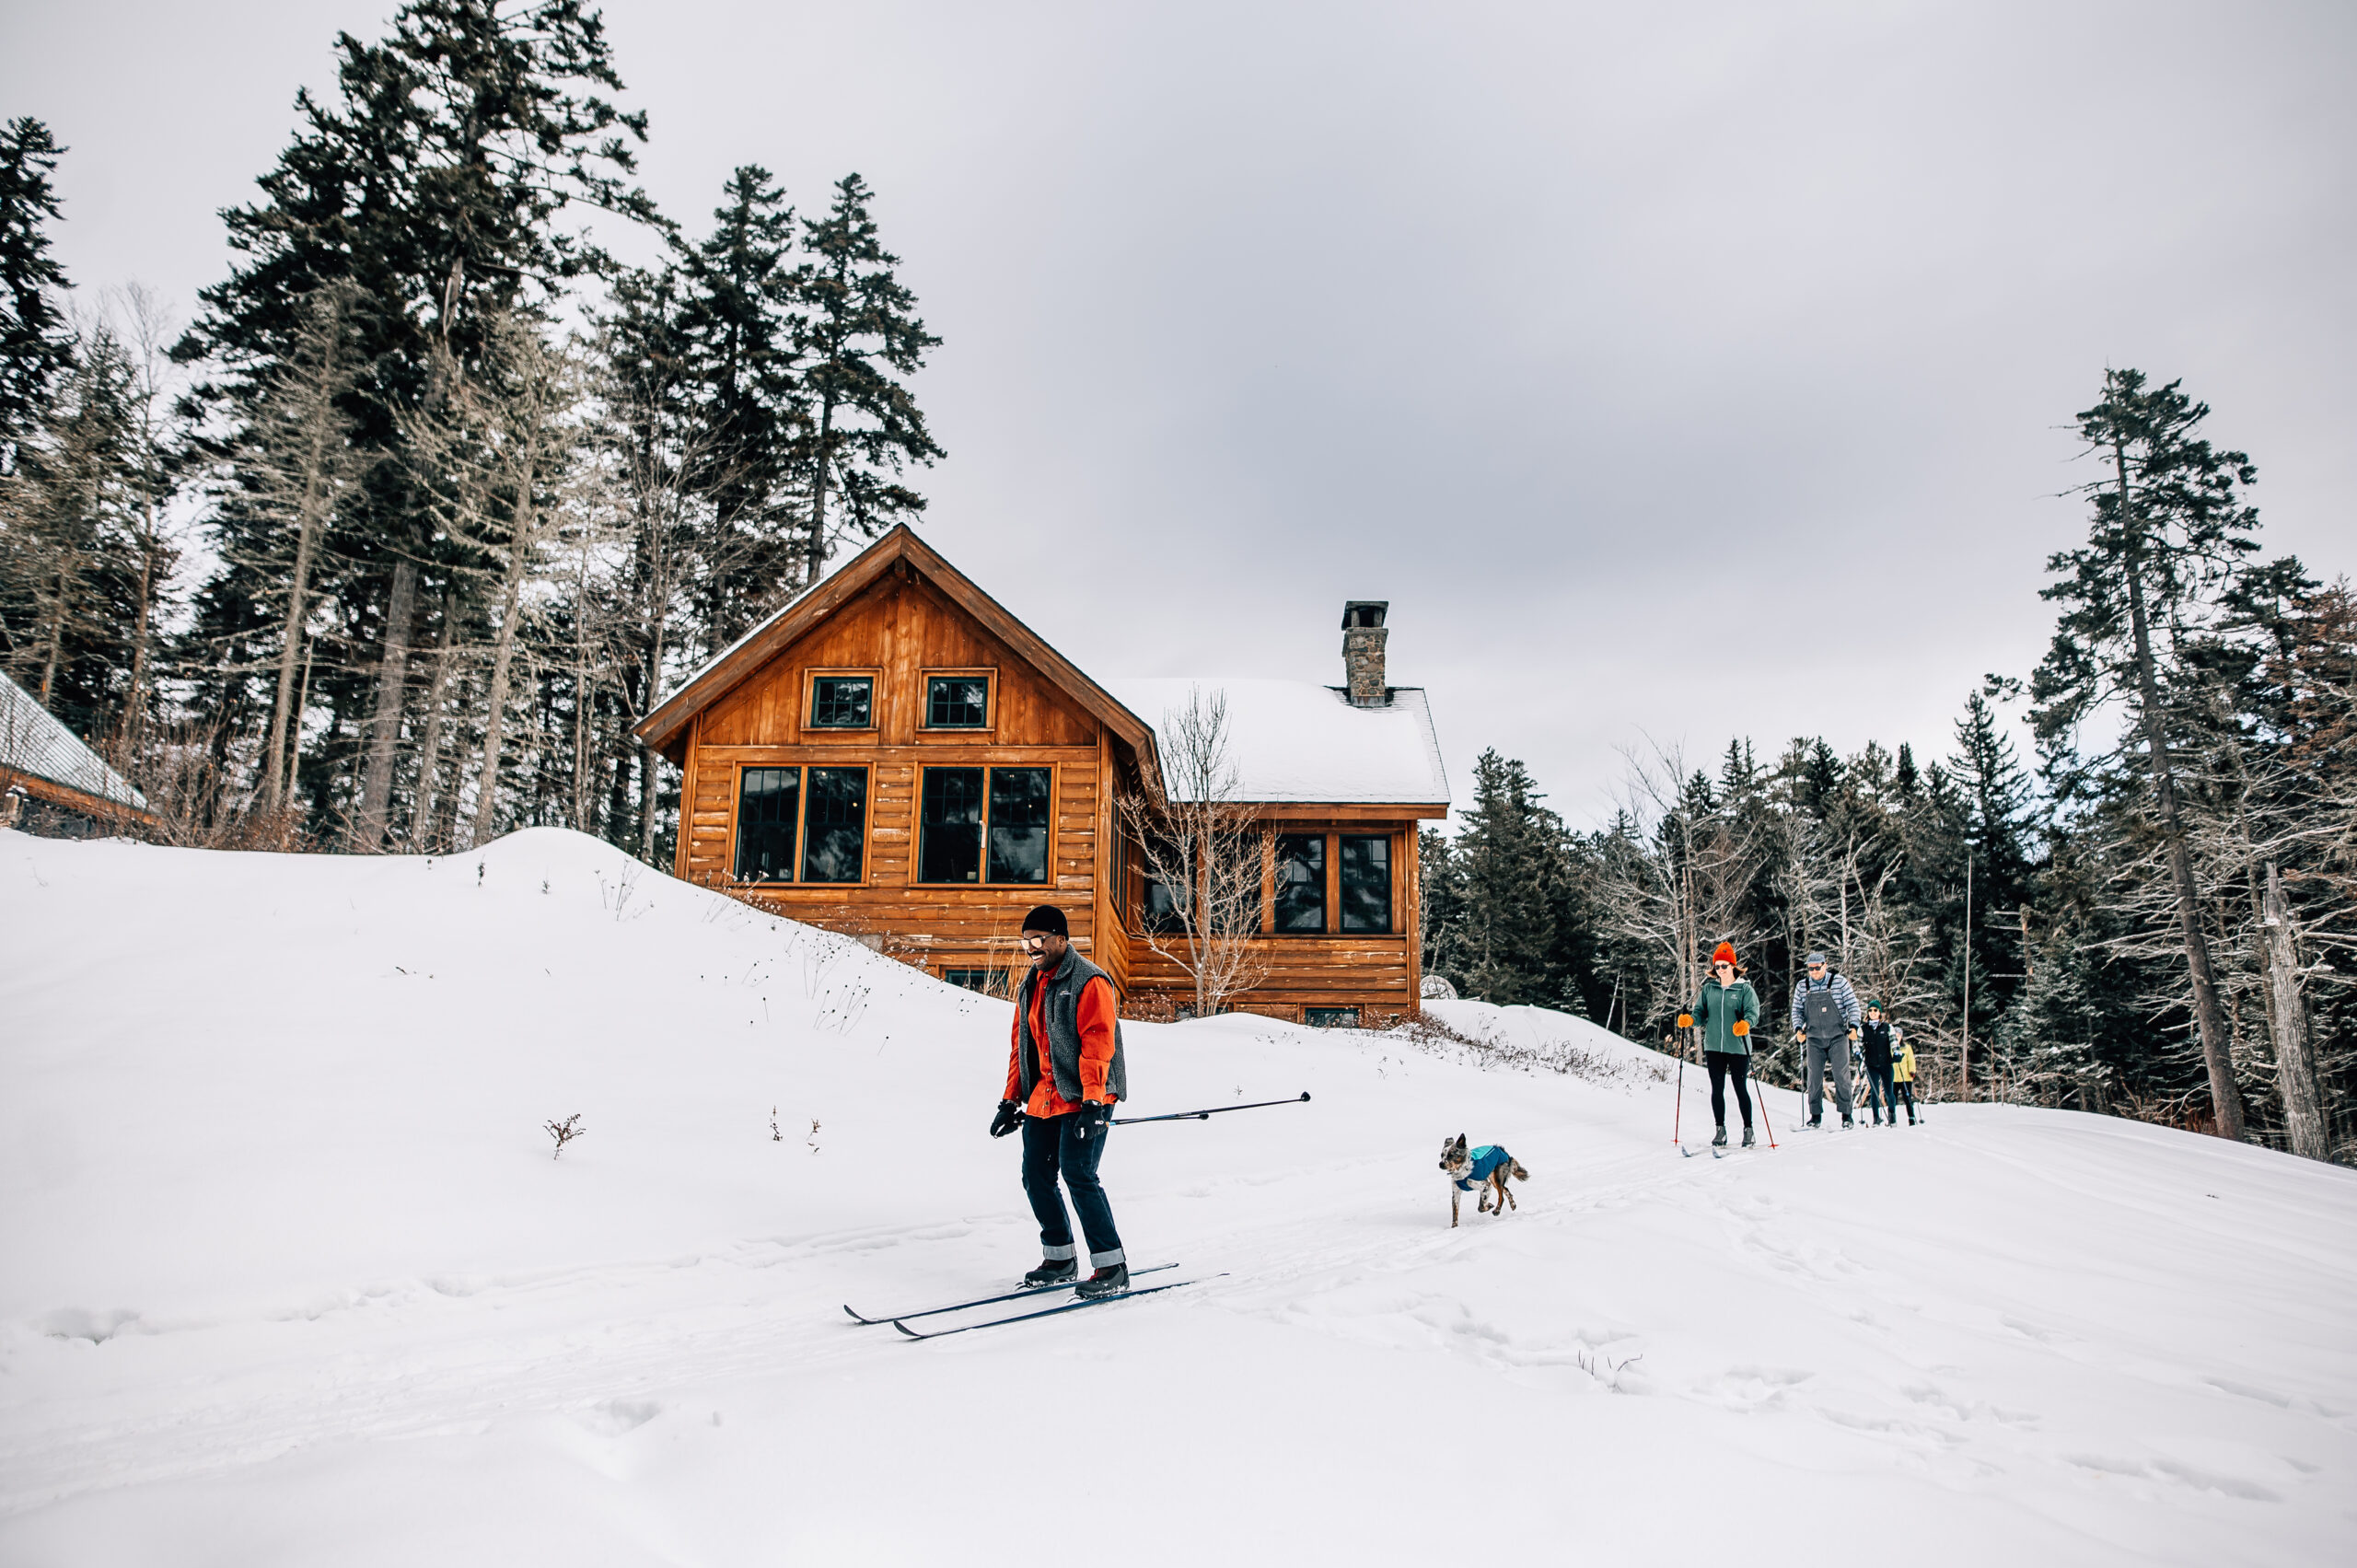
<point x="897" y="630"/>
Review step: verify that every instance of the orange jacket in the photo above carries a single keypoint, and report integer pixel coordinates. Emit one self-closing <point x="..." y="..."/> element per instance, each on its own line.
<point x="1096" y="1019"/>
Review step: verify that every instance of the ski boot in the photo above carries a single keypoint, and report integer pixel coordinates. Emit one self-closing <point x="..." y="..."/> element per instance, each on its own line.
<point x="1112" y="1281"/>
<point x="1746" y="1137"/>
<point x="1053" y="1272"/>
<point x="1848" y="1125"/>
<point x="1720" y="1140"/>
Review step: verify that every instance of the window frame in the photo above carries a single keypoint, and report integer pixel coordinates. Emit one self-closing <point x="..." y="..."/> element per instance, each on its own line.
<point x="1390" y="886"/>
<point x="736" y="822"/>
<point x="1335" y="1022"/>
<point x="866" y="826"/>
<point x="810" y="678"/>
<point x="994" y="979"/>
<point x="1327" y="884"/>
<point x="986" y="674"/>
<point x="982" y="877"/>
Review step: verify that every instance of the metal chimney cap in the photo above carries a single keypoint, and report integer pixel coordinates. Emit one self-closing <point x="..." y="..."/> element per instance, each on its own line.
<point x="1363" y="612"/>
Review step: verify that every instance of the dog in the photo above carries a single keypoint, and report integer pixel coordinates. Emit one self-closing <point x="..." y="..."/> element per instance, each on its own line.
<point x="1484" y="1169"/>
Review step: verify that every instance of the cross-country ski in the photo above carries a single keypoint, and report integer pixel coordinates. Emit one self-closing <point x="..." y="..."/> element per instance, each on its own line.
<point x="1043" y="1312"/>
<point x="1017" y="1295"/>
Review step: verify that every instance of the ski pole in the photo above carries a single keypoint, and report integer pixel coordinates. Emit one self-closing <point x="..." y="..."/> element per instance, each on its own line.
<point x="1200" y="1115"/>
<point x="1763" y="1116"/>
<point x="1678" y="1117"/>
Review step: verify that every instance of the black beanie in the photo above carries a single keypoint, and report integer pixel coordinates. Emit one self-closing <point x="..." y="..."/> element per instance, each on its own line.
<point x="1047" y="918"/>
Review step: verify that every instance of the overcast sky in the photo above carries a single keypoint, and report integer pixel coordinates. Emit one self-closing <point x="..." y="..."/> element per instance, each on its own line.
<point x="1674" y="371"/>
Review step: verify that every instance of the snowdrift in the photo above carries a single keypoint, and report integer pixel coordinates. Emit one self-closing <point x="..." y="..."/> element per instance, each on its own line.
<point x="292" y="1276"/>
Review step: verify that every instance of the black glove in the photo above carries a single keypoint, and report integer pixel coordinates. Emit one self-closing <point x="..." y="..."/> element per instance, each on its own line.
<point x="1089" y="1121"/>
<point x="1009" y="1117"/>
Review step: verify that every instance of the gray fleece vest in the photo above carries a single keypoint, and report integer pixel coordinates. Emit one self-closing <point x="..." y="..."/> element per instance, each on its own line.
<point x="1061" y="1009"/>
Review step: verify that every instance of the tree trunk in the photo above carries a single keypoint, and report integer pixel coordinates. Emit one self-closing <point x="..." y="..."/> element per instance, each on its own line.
<point x="385" y="725"/>
<point x="429" y="755"/>
<point x="56" y="649"/>
<point x="496" y="703"/>
<point x="2296" y="1069"/>
<point x="2225" y="1099"/>
<point x="290" y="646"/>
<point x="817" y="553"/>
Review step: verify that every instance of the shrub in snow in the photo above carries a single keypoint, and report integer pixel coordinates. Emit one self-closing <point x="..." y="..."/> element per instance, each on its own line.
<point x="564" y="1132"/>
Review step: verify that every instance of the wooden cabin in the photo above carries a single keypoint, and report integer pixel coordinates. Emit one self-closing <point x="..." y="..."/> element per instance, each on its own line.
<point x="51" y="783"/>
<point x="895" y="756"/>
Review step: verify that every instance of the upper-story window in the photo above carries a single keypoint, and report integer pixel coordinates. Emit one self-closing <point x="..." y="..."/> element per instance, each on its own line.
<point x="957" y="701"/>
<point x="843" y="702"/>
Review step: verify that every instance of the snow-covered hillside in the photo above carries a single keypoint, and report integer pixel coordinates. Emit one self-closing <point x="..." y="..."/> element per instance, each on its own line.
<point x="291" y="1276"/>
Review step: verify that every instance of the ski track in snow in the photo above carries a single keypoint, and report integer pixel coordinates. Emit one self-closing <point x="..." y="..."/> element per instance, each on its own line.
<point x="281" y="1237"/>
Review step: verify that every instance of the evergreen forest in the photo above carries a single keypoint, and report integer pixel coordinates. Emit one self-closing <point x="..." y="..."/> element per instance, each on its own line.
<point x="390" y="546"/>
<point x="2155" y="915"/>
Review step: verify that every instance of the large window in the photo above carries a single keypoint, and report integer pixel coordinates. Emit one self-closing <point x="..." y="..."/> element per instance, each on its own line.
<point x="949" y="827"/>
<point x="768" y="807"/>
<point x="834" y="826"/>
<point x="1366" y="884"/>
<point x="1301" y="882"/>
<point x="843" y="702"/>
<point x="957" y="701"/>
<point x="1020" y="801"/>
<point x="957" y="821"/>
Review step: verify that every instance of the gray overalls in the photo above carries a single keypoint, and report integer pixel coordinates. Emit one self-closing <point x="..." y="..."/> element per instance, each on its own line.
<point x="1828" y="1041"/>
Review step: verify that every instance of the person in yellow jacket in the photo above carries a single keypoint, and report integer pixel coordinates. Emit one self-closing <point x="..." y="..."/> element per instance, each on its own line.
<point x="1902" y="1073"/>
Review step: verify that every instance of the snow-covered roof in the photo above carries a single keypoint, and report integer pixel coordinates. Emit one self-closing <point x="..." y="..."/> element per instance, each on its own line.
<point x="32" y="741"/>
<point x="1296" y="742"/>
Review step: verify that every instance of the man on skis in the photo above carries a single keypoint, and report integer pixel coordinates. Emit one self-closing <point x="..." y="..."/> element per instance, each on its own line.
<point x="1725" y="1013"/>
<point x="1063" y="1078"/>
<point x="1824" y="1019"/>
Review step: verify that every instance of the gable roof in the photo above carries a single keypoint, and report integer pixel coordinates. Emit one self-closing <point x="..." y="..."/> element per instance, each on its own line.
<point x="33" y="742"/>
<point x="1299" y="742"/>
<point x="666" y="726"/>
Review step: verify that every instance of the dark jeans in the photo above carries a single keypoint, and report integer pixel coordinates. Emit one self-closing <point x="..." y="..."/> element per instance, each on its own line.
<point x="1881" y="1092"/>
<point x="1725" y="1064"/>
<point x="1050" y="1150"/>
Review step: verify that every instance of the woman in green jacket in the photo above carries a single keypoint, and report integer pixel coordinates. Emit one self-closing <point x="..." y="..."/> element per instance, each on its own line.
<point x="1726" y="1013"/>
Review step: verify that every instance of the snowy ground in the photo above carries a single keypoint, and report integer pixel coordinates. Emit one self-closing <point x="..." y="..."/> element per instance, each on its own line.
<point x="290" y="1277"/>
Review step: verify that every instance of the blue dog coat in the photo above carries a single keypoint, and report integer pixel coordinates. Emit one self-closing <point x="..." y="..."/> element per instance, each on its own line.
<point x="1486" y="1160"/>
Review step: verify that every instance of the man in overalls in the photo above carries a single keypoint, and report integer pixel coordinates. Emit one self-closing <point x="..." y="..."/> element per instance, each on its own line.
<point x="1824" y="1019"/>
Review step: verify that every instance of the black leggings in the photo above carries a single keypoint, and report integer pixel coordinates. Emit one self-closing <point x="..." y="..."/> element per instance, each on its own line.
<point x="1725" y="1064"/>
<point x="1906" y="1092"/>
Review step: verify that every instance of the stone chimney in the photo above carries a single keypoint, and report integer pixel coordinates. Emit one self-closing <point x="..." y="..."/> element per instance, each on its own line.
<point x="1362" y="638"/>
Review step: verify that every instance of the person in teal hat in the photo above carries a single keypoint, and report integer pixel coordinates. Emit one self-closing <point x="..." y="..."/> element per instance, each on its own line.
<point x="1873" y="1039"/>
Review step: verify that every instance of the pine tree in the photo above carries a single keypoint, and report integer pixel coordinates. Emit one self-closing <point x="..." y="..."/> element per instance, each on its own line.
<point x="2169" y="525"/>
<point x="1503" y="861"/>
<point x="36" y="342"/>
<point x="70" y="563"/>
<point x="861" y="330"/>
<point x="739" y="331"/>
<point x="433" y="183"/>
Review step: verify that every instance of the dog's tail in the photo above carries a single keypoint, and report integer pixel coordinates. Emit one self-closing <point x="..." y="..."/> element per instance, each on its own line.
<point x="1519" y="1174"/>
